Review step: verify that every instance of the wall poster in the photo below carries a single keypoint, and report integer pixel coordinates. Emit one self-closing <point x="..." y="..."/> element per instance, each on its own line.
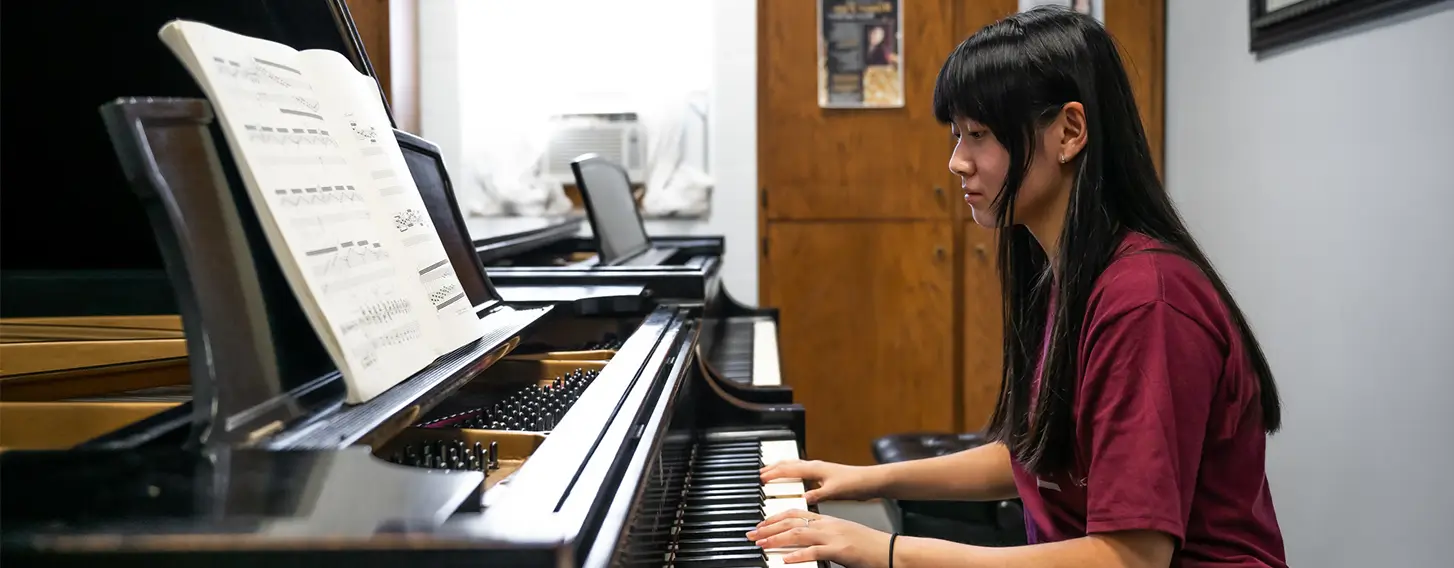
<point x="860" y="54"/>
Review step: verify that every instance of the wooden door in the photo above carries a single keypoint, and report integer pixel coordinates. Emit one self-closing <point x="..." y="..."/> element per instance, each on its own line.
<point x="866" y="329"/>
<point x="371" y="18"/>
<point x="850" y="164"/>
<point x="1139" y="27"/>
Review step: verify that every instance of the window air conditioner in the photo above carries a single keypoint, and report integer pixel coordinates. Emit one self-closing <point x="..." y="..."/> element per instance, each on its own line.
<point x="616" y="137"/>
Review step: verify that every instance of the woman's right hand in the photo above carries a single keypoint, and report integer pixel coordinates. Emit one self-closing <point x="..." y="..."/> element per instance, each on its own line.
<point x="834" y="481"/>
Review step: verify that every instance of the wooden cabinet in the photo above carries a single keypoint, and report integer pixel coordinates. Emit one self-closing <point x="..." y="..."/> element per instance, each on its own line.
<point x="867" y="344"/>
<point x="890" y="299"/>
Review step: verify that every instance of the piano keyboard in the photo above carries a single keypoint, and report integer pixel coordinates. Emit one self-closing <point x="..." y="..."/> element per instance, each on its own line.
<point x="748" y="352"/>
<point x="704" y="498"/>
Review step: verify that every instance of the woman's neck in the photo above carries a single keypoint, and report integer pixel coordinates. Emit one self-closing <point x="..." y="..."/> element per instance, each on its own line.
<point x="1049" y="223"/>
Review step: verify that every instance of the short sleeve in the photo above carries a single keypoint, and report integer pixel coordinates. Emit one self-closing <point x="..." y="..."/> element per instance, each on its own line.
<point x="1149" y="378"/>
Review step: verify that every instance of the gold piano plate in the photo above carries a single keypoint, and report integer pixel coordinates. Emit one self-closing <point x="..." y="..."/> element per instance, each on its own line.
<point x="601" y="355"/>
<point x="582" y="340"/>
<point x="513" y="447"/>
<point x="61" y="425"/>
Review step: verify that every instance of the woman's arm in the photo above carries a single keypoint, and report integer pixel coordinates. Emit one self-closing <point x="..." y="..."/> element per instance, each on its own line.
<point x="852" y="544"/>
<point x="1129" y="549"/>
<point x="978" y="474"/>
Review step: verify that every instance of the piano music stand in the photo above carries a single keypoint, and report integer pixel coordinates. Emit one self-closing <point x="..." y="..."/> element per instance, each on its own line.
<point x="426" y="164"/>
<point x="257" y="366"/>
<point x="616" y="224"/>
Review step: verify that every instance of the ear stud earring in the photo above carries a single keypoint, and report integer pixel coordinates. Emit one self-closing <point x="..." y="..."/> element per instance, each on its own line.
<point x="1062" y="158"/>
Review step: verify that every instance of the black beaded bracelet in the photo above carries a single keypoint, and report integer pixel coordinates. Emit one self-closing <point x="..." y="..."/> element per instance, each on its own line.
<point x="892" y="538"/>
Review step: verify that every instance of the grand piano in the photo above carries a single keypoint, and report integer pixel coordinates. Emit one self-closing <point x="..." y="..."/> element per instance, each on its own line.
<point x="582" y="432"/>
<point x="739" y="343"/>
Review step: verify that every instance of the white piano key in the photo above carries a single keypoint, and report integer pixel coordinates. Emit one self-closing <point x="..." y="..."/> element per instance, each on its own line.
<point x="772" y="507"/>
<point x="779" y="450"/>
<point x="775" y="558"/>
<point x="766" y="369"/>
<point x="783" y="488"/>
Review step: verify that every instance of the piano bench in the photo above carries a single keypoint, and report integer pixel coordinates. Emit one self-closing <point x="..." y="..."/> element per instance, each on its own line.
<point x="992" y="523"/>
<point x="896" y="448"/>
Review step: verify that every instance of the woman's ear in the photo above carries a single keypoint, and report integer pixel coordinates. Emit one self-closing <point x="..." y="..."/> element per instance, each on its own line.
<point x="1072" y="129"/>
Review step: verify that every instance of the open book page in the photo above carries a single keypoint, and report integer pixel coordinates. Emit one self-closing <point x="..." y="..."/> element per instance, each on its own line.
<point x="401" y="209"/>
<point x="311" y="204"/>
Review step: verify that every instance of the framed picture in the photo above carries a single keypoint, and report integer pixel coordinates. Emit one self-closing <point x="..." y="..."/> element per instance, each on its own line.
<point x="1277" y="23"/>
<point x="860" y="54"/>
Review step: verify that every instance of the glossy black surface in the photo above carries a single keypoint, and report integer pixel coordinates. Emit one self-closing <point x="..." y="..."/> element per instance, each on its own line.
<point x="426" y="167"/>
<point x="336" y="494"/>
<point x="497" y="238"/>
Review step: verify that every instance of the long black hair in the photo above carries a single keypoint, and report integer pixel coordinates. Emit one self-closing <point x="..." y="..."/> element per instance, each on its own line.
<point x="1014" y="76"/>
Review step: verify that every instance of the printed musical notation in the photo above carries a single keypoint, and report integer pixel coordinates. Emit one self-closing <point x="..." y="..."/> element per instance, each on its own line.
<point x="322" y="195"/>
<point x="282" y="135"/>
<point x="306" y="104"/>
<point x="401" y="335"/>
<point x="364" y="132"/>
<point x="409" y="219"/>
<point x="445" y="295"/>
<point x="348" y="255"/>
<point x="262" y="72"/>
<point x="378" y="313"/>
<point x="320" y="224"/>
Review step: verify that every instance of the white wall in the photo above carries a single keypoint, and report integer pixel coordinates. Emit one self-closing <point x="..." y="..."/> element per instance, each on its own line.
<point x="733" y="142"/>
<point x="453" y="86"/>
<point x="1320" y="181"/>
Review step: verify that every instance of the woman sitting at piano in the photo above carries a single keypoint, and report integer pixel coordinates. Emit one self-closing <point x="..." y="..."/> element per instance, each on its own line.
<point x="1136" y="403"/>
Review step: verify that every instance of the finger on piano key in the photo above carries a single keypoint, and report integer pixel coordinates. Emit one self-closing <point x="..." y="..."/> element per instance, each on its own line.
<point x="766" y="370"/>
<point x="775" y="559"/>
<point x="775" y="506"/>
<point x="774" y="451"/>
<point x="783" y="488"/>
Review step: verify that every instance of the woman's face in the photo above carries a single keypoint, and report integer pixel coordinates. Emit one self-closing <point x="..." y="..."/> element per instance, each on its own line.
<point x="875" y="35"/>
<point x="982" y="163"/>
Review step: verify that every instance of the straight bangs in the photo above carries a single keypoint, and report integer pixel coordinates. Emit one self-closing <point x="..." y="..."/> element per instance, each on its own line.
<point x="975" y="80"/>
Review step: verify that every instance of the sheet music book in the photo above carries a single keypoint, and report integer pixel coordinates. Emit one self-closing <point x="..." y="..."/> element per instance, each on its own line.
<point x="340" y="210"/>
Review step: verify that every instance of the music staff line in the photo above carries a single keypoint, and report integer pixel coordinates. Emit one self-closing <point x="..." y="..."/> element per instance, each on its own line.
<point x="321" y="195"/>
<point x="260" y="72"/>
<point x="321" y="222"/>
<point x="378" y="313"/>
<point x="304" y="160"/>
<point x="369" y="352"/>
<point x="282" y="135"/>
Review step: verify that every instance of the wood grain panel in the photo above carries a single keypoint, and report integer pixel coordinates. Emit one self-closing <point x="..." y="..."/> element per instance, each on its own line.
<point x="850" y="164"/>
<point x="371" y="17"/>
<point x="972" y="16"/>
<point x="1139" y="27"/>
<point x="867" y="336"/>
<point x="983" y="326"/>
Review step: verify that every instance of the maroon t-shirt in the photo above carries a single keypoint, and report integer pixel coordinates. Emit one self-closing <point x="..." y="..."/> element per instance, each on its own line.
<point x="1168" y="422"/>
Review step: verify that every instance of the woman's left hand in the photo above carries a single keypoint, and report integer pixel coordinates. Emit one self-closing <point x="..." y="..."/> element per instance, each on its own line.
<point x="823" y="538"/>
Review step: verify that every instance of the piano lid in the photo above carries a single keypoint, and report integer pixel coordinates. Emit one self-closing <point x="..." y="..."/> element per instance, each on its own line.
<point x="280" y="495"/>
<point x="73" y="238"/>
